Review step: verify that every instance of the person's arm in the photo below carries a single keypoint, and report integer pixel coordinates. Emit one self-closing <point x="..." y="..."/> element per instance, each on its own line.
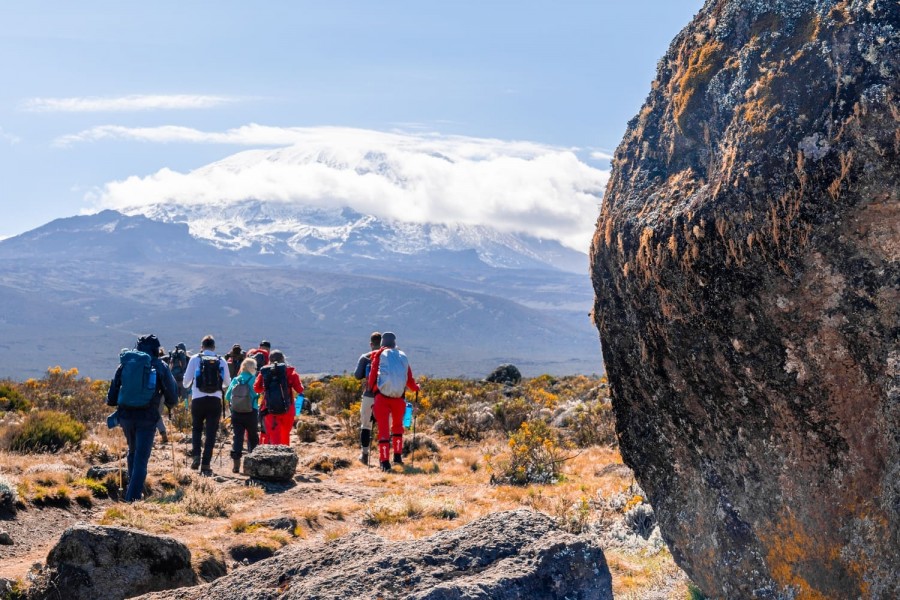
<point x="226" y="373"/>
<point x="112" y="396"/>
<point x="295" y="382"/>
<point x="228" y="391"/>
<point x="411" y="381"/>
<point x="360" y="372"/>
<point x="258" y="386"/>
<point x="189" y="371"/>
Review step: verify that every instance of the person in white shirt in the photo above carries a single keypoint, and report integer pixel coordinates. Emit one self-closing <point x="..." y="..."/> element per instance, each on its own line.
<point x="207" y="375"/>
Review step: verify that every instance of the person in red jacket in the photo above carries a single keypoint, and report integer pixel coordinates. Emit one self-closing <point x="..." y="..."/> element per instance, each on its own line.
<point x="278" y="427"/>
<point x="390" y="377"/>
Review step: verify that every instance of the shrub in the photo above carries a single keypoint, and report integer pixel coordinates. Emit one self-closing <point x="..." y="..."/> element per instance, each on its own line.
<point x="510" y="413"/>
<point x="81" y="398"/>
<point x="461" y="421"/>
<point x="536" y="455"/>
<point x="46" y="430"/>
<point x="8" y="496"/>
<point x="593" y="424"/>
<point x="641" y="520"/>
<point x="694" y="593"/>
<point x="307" y="429"/>
<point x="204" y="498"/>
<point x="11" y="399"/>
<point x="340" y="393"/>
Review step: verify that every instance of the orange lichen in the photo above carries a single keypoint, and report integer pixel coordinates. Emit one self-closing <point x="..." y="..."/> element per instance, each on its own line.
<point x="703" y="64"/>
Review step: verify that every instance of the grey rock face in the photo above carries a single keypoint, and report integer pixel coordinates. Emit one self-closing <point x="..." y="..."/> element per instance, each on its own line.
<point x="746" y="266"/>
<point x="502" y="556"/>
<point x="102" y="471"/>
<point x="271" y="463"/>
<point x="110" y="563"/>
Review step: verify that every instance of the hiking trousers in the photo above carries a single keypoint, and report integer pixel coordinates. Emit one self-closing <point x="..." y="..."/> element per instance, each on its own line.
<point x="139" y="427"/>
<point x="278" y="428"/>
<point x="389" y="416"/>
<point x="205" y="414"/>
<point x="244" y="423"/>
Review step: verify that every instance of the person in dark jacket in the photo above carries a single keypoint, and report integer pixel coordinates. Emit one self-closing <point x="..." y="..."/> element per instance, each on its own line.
<point x="363" y="365"/>
<point x="234" y="360"/>
<point x="139" y="423"/>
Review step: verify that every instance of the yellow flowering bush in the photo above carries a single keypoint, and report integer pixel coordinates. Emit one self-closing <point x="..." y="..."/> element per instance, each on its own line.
<point x="536" y="455"/>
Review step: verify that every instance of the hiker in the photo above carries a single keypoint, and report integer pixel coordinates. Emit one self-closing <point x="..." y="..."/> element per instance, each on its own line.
<point x="261" y="355"/>
<point x="206" y="374"/>
<point x="277" y="381"/>
<point x="234" y="359"/>
<point x="363" y="365"/>
<point x="389" y="378"/>
<point x="161" y="424"/>
<point x="178" y="360"/>
<point x="140" y="382"/>
<point x="244" y="403"/>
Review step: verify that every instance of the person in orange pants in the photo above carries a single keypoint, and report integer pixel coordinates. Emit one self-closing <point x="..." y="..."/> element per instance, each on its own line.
<point x="389" y="378"/>
<point x="278" y="426"/>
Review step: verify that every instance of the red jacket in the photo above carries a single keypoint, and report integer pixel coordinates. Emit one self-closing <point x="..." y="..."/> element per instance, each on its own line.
<point x="255" y="351"/>
<point x="372" y="382"/>
<point x="293" y="382"/>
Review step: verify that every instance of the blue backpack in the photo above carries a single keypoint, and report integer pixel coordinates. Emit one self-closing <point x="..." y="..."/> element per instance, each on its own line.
<point x="392" y="370"/>
<point x="138" y="380"/>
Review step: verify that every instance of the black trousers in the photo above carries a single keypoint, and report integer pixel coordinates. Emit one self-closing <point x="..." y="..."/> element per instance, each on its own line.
<point x="244" y="422"/>
<point x="205" y="413"/>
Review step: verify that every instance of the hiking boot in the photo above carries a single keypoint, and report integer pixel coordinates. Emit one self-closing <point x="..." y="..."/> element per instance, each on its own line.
<point x="364" y="458"/>
<point x="386" y="466"/>
<point x="195" y="464"/>
<point x="398" y="460"/>
<point x="164" y="438"/>
<point x="206" y="471"/>
<point x="237" y="466"/>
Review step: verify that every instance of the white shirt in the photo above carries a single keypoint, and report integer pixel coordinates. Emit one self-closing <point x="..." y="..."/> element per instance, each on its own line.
<point x="190" y="374"/>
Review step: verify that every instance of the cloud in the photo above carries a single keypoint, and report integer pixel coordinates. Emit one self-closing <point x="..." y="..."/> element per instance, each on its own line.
<point x="600" y="155"/>
<point x="511" y="185"/>
<point x="124" y="103"/>
<point x="248" y="135"/>
<point x="9" y="138"/>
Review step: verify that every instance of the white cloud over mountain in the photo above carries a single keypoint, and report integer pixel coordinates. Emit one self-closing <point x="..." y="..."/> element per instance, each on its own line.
<point x="513" y="186"/>
<point x="124" y="103"/>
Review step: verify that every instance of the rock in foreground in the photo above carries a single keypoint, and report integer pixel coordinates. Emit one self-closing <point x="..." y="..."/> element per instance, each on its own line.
<point x="502" y="556"/>
<point x="271" y="463"/>
<point x="746" y="266"/>
<point x="111" y="563"/>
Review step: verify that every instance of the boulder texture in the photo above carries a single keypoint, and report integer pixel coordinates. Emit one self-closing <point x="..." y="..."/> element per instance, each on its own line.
<point x="745" y="265"/>
<point x="271" y="463"/>
<point x="110" y="563"/>
<point x="506" y="374"/>
<point x="502" y="556"/>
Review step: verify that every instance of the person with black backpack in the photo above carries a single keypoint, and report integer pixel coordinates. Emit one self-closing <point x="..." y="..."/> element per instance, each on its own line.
<point x="178" y="360"/>
<point x="244" y="403"/>
<point x="207" y="375"/>
<point x="234" y="359"/>
<point x="140" y="382"/>
<point x="389" y="378"/>
<point x="278" y="381"/>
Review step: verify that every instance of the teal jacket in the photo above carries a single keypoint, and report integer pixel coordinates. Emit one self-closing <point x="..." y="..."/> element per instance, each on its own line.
<point x="243" y="377"/>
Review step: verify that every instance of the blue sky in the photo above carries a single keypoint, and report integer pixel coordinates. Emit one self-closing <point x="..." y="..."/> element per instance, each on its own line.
<point x="94" y="93"/>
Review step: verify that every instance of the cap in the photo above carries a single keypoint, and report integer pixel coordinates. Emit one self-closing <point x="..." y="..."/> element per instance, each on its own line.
<point x="265" y="344"/>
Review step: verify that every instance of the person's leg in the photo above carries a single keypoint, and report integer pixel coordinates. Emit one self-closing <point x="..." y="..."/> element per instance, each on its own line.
<point x="145" y="430"/>
<point x="213" y="413"/>
<point x="285" y="423"/>
<point x="161" y="428"/>
<point x="365" y="427"/>
<point x="197" y="417"/>
<point x="382" y="413"/>
<point x="252" y="434"/>
<point x="129" y="429"/>
<point x="237" y="439"/>
<point x="398" y="407"/>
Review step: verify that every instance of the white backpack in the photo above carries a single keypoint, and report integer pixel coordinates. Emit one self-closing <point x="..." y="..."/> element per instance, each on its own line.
<point x="392" y="369"/>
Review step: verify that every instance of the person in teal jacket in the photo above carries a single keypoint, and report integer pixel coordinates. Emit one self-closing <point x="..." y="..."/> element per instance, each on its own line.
<point x="244" y="403"/>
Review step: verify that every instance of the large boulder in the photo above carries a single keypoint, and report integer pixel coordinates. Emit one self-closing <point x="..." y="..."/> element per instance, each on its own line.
<point x="502" y="556"/>
<point x="506" y="374"/>
<point x="110" y="563"/>
<point x="746" y="272"/>
<point x="271" y="463"/>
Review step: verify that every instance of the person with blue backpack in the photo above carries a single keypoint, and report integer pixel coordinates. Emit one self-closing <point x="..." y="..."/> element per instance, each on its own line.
<point x="207" y="375"/>
<point x="140" y="382"/>
<point x="389" y="377"/>
<point x="244" y="403"/>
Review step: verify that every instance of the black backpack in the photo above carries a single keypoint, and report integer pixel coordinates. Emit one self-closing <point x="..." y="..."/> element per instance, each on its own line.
<point x="260" y="359"/>
<point x="278" y="393"/>
<point x="178" y="361"/>
<point x="210" y="377"/>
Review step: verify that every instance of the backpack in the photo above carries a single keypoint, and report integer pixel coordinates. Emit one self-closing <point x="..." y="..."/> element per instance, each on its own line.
<point x="209" y="375"/>
<point x="260" y="359"/>
<point x="241" y="399"/>
<point x="392" y="371"/>
<point x="178" y="361"/>
<point x="138" y="380"/>
<point x="278" y="394"/>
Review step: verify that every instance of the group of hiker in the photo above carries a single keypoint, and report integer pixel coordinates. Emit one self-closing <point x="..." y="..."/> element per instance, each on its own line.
<point x="263" y="392"/>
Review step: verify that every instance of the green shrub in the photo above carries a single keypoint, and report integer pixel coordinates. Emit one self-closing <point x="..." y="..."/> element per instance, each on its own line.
<point x="46" y="431"/>
<point x="11" y="399"/>
<point x="340" y="393"/>
<point x="536" y="455"/>
<point x="461" y="421"/>
<point x="593" y="424"/>
<point x="510" y="413"/>
<point x="61" y="390"/>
